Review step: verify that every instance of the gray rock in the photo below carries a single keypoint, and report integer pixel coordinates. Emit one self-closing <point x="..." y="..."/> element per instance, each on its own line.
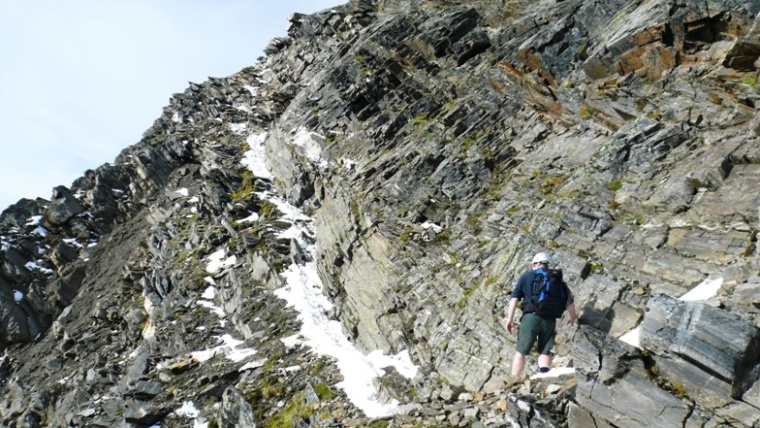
<point x="697" y="384"/>
<point x="755" y="124"/>
<point x="235" y="411"/>
<point x="740" y="413"/>
<point x="606" y="132"/>
<point x="63" y="254"/>
<point x="752" y="395"/>
<point x="745" y="50"/>
<point x="611" y="377"/>
<point x="143" y="413"/>
<point x="145" y="390"/>
<point x="577" y="417"/>
<point x="717" y="342"/>
<point x="63" y="209"/>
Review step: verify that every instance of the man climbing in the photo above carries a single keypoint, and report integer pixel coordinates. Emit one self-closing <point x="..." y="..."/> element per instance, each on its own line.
<point x="542" y="305"/>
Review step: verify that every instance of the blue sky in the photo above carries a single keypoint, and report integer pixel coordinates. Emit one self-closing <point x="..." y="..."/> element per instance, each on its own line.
<point x="81" y="80"/>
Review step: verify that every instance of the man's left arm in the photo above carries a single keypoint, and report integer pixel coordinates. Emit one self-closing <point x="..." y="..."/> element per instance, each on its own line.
<point x="571" y="305"/>
<point x="571" y="311"/>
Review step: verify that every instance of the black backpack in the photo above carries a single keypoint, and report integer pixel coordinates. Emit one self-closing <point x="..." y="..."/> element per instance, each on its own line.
<point x="549" y="294"/>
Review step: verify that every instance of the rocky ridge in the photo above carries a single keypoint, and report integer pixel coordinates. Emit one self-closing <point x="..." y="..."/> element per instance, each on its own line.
<point x="437" y="146"/>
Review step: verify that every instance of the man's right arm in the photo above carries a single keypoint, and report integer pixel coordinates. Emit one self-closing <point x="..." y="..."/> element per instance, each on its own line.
<point x="517" y="294"/>
<point x="511" y="314"/>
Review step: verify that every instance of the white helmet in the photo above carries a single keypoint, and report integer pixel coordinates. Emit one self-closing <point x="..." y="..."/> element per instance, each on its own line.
<point x="542" y="258"/>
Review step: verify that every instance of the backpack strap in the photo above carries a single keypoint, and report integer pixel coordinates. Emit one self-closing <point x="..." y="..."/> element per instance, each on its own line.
<point x="541" y="283"/>
<point x="528" y="288"/>
<point x="538" y="287"/>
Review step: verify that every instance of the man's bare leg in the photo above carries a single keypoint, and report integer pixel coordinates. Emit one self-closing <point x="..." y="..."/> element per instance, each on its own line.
<point x="518" y="364"/>
<point x="544" y="360"/>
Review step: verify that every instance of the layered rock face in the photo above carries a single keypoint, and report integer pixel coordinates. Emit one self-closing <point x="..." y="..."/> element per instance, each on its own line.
<point x="436" y="145"/>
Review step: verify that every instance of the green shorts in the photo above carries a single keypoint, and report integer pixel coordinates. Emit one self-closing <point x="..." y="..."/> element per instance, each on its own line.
<point x="532" y="328"/>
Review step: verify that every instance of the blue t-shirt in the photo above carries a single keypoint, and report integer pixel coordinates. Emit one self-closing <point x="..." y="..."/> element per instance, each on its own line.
<point x="524" y="287"/>
<point x="524" y="290"/>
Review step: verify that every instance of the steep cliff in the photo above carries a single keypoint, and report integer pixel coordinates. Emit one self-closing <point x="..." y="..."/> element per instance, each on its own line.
<point x="406" y="159"/>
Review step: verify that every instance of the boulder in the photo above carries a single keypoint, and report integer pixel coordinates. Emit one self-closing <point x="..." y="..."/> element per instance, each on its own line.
<point x="144" y="413"/>
<point x="691" y="381"/>
<point x="63" y="209"/>
<point x="577" y="417"/>
<point x="752" y="396"/>
<point x="235" y="410"/>
<point x="745" y="50"/>
<point x="718" y="343"/>
<point x="63" y="254"/>
<point x="612" y="376"/>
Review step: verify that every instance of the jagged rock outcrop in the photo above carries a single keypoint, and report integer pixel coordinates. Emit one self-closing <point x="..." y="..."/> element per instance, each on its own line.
<point x="436" y="145"/>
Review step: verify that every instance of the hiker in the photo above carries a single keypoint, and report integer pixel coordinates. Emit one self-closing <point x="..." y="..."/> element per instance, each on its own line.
<point x="538" y="322"/>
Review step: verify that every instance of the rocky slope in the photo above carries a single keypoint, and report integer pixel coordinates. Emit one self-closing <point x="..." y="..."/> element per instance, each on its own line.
<point x="435" y="146"/>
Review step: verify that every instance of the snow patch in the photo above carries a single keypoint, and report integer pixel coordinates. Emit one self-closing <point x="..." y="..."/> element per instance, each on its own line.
<point x="304" y="292"/>
<point x="347" y="164"/>
<point x="73" y="241"/>
<point x="149" y="332"/>
<point x="252" y="89"/>
<point x="188" y="409"/>
<point x="254" y="158"/>
<point x="229" y="348"/>
<point x="428" y="225"/>
<point x="31" y="266"/>
<point x="213" y="308"/>
<point x="632" y="338"/>
<point x="238" y="128"/>
<point x="291" y="341"/>
<point x="706" y="290"/>
<point x="250" y="219"/>
<point x="253" y="365"/>
<point x="34" y="220"/>
<point x="554" y="372"/>
<point x="209" y="293"/>
<point x="216" y="263"/>
<point x="242" y="107"/>
<point x="311" y="143"/>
